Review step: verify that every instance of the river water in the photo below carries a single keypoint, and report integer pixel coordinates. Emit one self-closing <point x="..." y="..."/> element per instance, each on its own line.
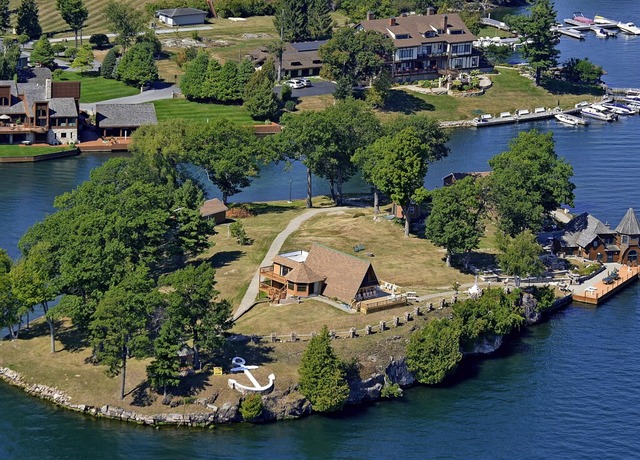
<point x="568" y="388"/>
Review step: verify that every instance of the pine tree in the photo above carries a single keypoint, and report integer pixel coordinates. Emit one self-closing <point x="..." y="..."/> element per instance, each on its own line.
<point x="319" y="22"/>
<point x="191" y="83"/>
<point x="164" y="371"/>
<point x="109" y="64"/>
<point x="322" y="377"/>
<point x="5" y="15"/>
<point x="42" y="53"/>
<point x="226" y="83"/>
<point x="28" y="23"/>
<point x="291" y="20"/>
<point x="209" y="84"/>
<point x="259" y="99"/>
<point x="245" y="72"/>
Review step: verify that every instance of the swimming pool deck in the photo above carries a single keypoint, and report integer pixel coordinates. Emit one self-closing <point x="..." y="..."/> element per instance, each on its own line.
<point x="595" y="291"/>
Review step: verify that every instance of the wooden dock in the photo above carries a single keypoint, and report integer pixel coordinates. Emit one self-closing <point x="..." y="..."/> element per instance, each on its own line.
<point x="515" y="118"/>
<point x="599" y="292"/>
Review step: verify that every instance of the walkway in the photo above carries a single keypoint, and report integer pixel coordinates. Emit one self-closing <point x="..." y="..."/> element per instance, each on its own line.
<point x="250" y="296"/>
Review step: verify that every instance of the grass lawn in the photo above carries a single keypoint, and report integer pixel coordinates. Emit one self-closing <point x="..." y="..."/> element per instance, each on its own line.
<point x="493" y="32"/>
<point x="29" y="150"/>
<point x="96" y="89"/>
<point x="510" y="91"/>
<point x="181" y="108"/>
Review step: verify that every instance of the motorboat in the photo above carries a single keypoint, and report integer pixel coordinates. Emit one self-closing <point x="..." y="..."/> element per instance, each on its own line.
<point x="570" y="119"/>
<point x="603" y="33"/>
<point x="577" y="16"/>
<point x="604" y="21"/>
<point x="593" y="112"/>
<point x="629" y="28"/>
<point x="619" y="108"/>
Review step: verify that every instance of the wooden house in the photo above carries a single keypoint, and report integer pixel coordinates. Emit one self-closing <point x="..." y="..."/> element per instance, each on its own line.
<point x="214" y="209"/>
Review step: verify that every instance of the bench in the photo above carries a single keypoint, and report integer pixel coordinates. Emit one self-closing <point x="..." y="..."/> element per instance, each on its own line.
<point x="359" y="247"/>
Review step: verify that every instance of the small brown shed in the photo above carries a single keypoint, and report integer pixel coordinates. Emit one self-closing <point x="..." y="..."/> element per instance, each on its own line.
<point x="214" y="209"/>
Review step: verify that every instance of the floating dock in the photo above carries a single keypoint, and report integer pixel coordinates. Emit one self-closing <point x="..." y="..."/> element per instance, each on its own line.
<point x="596" y="291"/>
<point x="493" y="23"/>
<point x="518" y="117"/>
<point x="569" y="32"/>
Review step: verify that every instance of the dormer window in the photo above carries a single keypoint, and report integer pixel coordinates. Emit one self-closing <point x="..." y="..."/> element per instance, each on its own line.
<point x="430" y="34"/>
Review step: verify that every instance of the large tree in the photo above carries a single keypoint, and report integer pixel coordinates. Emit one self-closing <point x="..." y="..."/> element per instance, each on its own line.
<point x="190" y="307"/>
<point x="124" y="21"/>
<point x="84" y="58"/>
<point x="27" y="22"/>
<point x="9" y="302"/>
<point x="74" y="13"/>
<point x="5" y="15"/>
<point x="42" y="53"/>
<point x="456" y="219"/>
<point x="529" y="180"/>
<point x="539" y="38"/>
<point x="259" y="98"/>
<point x="353" y="54"/>
<point x="433" y="352"/>
<point x="322" y="377"/>
<point x="164" y="371"/>
<point x="120" y="326"/>
<point x="520" y="256"/>
<point x="137" y="67"/>
<point x="291" y="20"/>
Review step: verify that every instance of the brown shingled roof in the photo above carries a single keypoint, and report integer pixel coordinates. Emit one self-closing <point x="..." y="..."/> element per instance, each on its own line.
<point x="211" y="207"/>
<point x="302" y="273"/>
<point x="345" y="274"/>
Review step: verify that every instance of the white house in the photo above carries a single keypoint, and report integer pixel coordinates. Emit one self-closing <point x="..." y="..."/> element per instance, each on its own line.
<point x="181" y="16"/>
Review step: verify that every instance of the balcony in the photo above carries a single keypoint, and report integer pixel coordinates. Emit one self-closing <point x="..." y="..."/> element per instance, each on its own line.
<point x="268" y="273"/>
<point x="12" y="128"/>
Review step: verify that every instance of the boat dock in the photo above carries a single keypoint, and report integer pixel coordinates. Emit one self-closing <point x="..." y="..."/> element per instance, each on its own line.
<point x="572" y="32"/>
<point x="603" y="286"/>
<point x="493" y="23"/>
<point x="520" y="116"/>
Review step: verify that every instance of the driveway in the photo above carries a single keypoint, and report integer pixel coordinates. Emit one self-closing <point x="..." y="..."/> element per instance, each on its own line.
<point x="318" y="89"/>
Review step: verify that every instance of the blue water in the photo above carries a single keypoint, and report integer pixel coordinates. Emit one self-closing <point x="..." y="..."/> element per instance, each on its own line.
<point x="566" y="389"/>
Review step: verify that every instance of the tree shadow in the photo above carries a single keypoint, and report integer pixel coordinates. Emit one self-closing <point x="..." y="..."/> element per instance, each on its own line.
<point x="479" y="260"/>
<point x="192" y="385"/>
<point x="224" y="258"/>
<point x="409" y="104"/>
<point x="72" y="339"/>
<point x="560" y="87"/>
<point x="257" y="354"/>
<point x="266" y="208"/>
<point x="142" y="395"/>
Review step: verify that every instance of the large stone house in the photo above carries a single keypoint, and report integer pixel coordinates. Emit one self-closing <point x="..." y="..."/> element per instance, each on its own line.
<point x="426" y="45"/>
<point x="586" y="236"/>
<point x="39" y="111"/>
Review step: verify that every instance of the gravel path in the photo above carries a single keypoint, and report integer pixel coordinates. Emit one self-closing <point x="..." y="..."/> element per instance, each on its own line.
<point x="250" y="296"/>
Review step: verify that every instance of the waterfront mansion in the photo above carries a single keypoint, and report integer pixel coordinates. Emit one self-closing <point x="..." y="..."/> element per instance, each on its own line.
<point x="426" y="45"/>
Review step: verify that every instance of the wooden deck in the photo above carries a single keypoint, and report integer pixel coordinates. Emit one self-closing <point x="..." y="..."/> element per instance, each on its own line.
<point x="599" y="291"/>
<point x="115" y="144"/>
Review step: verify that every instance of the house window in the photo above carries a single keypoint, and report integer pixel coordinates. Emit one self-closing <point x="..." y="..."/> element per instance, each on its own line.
<point x="599" y="257"/>
<point x="625" y="239"/>
<point x="405" y="53"/>
<point x="633" y="256"/>
<point x="302" y="288"/>
<point x="291" y="286"/>
<point x="461" y="49"/>
<point x="609" y="257"/>
<point x="457" y="63"/>
<point x="474" y="61"/>
<point x="426" y="49"/>
<point x="4" y="101"/>
<point x="63" y="135"/>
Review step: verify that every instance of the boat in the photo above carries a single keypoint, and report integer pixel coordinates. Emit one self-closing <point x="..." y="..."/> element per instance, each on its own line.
<point x="604" y="21"/>
<point x="619" y="108"/>
<point x="577" y="16"/>
<point x="629" y="28"/>
<point x="570" y="119"/>
<point x="601" y="33"/>
<point x="593" y="112"/>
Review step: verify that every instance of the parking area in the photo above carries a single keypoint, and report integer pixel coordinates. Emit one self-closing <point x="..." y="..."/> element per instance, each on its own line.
<point x="318" y="88"/>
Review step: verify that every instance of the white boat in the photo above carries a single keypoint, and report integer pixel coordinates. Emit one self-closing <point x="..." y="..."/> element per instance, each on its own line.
<point x="603" y="33"/>
<point x="593" y="112"/>
<point x="570" y="119"/>
<point x="604" y="21"/>
<point x="629" y="28"/>
<point x="618" y="108"/>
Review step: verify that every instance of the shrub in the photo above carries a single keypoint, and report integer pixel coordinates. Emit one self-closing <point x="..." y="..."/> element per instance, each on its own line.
<point x="70" y="53"/>
<point x="358" y="214"/>
<point x="285" y="93"/>
<point x="238" y="232"/>
<point x="290" y="106"/>
<point x="251" y="407"/>
<point x="185" y="55"/>
<point x="58" y="48"/>
<point x="99" y="40"/>
<point x="391" y="390"/>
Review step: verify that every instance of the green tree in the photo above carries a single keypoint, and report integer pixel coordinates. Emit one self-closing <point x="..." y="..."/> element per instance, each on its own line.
<point x="84" y="58"/>
<point x="528" y="181"/>
<point x="191" y="83"/>
<point x="42" y="53"/>
<point x="539" y="41"/>
<point x="521" y="256"/>
<point x="227" y="87"/>
<point x="259" y="98"/>
<point x="5" y="15"/>
<point x="456" y="219"/>
<point x="245" y="72"/>
<point x="74" y="13"/>
<point x="251" y="407"/>
<point x="319" y="22"/>
<point x="27" y="19"/>
<point x="291" y="20"/>
<point x="9" y="59"/>
<point x="9" y="302"/>
<point x="137" y="66"/>
<point x="164" y="371"/>
<point x="120" y="326"/>
<point x="379" y="92"/>
<point x="190" y="306"/>
<point x="497" y="54"/>
<point x="433" y="352"/>
<point x="581" y="71"/>
<point x="108" y="67"/>
<point x="322" y="377"/>
<point x="471" y="19"/>
<point x="125" y="22"/>
<point x="358" y="55"/>
<point x="99" y="40"/>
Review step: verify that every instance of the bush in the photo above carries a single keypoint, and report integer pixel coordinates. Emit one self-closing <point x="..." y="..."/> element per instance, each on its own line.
<point x="244" y="8"/>
<point x="290" y="106"/>
<point x="285" y="93"/>
<point x="251" y="407"/>
<point x="391" y="390"/>
<point x="185" y="55"/>
<point x="70" y="53"/>
<point x="58" y="48"/>
<point x="99" y="40"/>
<point x="238" y="232"/>
<point x="433" y="352"/>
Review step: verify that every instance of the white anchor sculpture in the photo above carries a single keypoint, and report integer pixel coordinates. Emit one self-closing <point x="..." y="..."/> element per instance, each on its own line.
<point x="240" y="366"/>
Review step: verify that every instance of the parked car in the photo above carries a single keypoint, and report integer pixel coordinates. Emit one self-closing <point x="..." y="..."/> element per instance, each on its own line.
<point x="305" y="81"/>
<point x="295" y="84"/>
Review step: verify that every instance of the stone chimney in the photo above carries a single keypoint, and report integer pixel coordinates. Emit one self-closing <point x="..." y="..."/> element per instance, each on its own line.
<point x="47" y="89"/>
<point x="445" y="21"/>
<point x="370" y="16"/>
<point x="392" y="21"/>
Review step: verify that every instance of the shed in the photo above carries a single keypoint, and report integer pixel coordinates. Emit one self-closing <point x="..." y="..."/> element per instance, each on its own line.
<point x="214" y="209"/>
<point x="181" y="16"/>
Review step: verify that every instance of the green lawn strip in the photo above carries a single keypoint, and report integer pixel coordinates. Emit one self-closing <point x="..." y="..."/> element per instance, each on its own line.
<point x="96" y="89"/>
<point x="28" y="150"/>
<point x="493" y="32"/>
<point x="181" y="108"/>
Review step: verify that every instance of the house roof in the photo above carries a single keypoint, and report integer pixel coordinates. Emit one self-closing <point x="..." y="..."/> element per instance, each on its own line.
<point x="582" y="230"/>
<point x="302" y="55"/>
<point x="303" y="273"/>
<point x="285" y="261"/>
<point x="413" y="30"/>
<point x="63" y="107"/>
<point x="344" y="273"/>
<point x="177" y="12"/>
<point x="125" y="115"/>
<point x="211" y="207"/>
<point x="629" y="224"/>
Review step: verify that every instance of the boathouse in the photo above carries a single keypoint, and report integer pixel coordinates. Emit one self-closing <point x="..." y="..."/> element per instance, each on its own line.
<point x="120" y="120"/>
